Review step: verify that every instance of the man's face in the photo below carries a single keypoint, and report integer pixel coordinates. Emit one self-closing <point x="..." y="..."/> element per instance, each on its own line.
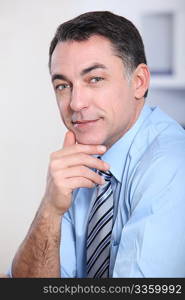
<point x="95" y="99"/>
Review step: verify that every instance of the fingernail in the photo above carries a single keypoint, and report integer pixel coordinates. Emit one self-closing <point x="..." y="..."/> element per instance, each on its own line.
<point x="102" y="148"/>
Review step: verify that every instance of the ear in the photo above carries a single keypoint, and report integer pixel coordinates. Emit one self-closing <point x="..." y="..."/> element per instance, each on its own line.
<point x="141" y="80"/>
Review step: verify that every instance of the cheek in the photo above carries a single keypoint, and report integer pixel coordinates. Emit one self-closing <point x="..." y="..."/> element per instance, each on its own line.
<point x="121" y="107"/>
<point x="64" y="112"/>
<point x="115" y="103"/>
<point x="63" y="107"/>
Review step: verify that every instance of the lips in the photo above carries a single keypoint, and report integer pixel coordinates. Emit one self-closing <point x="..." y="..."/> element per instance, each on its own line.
<point x="84" y="123"/>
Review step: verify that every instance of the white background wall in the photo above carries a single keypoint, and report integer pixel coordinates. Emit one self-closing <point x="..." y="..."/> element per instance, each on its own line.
<point x="30" y="126"/>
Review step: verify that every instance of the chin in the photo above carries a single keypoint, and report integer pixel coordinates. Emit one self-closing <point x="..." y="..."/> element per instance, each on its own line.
<point x="89" y="140"/>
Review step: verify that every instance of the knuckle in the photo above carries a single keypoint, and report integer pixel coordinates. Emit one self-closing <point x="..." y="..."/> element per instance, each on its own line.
<point x="56" y="164"/>
<point x="83" y="170"/>
<point x="83" y="158"/>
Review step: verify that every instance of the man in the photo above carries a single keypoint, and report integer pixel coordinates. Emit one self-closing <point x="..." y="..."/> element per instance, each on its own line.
<point x="115" y="197"/>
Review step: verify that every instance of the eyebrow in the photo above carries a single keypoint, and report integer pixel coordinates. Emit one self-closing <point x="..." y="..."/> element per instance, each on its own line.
<point x="82" y="73"/>
<point x="58" y="76"/>
<point x="91" y="68"/>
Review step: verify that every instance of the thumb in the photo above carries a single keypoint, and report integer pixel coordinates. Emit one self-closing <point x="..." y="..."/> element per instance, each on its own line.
<point x="69" y="139"/>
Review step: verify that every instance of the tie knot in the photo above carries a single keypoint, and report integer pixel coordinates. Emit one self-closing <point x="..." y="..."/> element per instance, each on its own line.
<point x="106" y="175"/>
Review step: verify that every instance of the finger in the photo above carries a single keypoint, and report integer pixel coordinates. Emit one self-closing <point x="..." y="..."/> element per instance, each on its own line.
<point x="69" y="139"/>
<point x="79" y="148"/>
<point x="79" y="182"/>
<point x="78" y="159"/>
<point x="80" y="172"/>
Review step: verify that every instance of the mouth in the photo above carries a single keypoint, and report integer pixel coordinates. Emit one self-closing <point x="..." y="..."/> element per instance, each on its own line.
<point x="84" y="123"/>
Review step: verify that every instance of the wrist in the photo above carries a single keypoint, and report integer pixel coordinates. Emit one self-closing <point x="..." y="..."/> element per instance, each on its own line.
<point x="47" y="209"/>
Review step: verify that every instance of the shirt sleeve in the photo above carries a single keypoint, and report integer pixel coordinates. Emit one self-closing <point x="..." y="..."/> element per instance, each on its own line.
<point x="67" y="248"/>
<point x="152" y="242"/>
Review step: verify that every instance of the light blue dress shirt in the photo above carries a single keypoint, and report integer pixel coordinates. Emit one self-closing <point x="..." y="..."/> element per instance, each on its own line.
<point x="148" y="237"/>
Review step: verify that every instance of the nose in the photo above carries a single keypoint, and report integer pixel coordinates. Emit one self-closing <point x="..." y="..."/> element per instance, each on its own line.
<point x="79" y="98"/>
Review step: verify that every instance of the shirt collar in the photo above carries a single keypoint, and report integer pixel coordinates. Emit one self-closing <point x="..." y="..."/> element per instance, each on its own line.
<point x="116" y="155"/>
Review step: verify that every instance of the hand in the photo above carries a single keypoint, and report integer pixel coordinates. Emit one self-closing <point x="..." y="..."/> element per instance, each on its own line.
<point x="69" y="169"/>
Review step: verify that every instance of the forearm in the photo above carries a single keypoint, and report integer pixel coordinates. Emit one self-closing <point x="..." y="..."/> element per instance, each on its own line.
<point x="69" y="169"/>
<point x="38" y="255"/>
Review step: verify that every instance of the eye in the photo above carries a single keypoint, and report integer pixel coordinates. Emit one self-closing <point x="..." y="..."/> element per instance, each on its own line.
<point x="96" y="79"/>
<point x="62" y="87"/>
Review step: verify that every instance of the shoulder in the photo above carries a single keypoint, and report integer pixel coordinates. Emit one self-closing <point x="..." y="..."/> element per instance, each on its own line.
<point x="162" y="158"/>
<point x="159" y="139"/>
<point x="158" y="174"/>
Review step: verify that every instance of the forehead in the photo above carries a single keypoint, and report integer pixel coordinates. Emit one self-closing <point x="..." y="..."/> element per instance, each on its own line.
<point x="70" y="55"/>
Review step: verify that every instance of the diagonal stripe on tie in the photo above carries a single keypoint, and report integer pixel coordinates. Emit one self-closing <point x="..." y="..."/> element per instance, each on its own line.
<point x="100" y="225"/>
<point x="103" y="268"/>
<point x="98" y="250"/>
<point x="99" y="230"/>
<point x="99" y="201"/>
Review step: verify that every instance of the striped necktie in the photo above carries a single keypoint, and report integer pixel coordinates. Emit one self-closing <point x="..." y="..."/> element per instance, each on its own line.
<point x="100" y="229"/>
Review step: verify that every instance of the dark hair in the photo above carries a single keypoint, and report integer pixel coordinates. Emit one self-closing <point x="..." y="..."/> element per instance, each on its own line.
<point x="121" y="32"/>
